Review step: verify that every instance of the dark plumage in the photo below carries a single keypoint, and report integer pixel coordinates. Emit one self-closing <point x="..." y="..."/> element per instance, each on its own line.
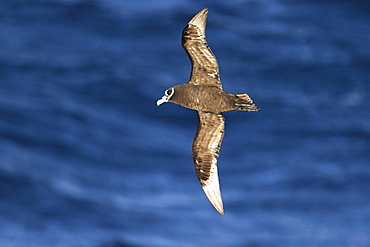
<point x="203" y="93"/>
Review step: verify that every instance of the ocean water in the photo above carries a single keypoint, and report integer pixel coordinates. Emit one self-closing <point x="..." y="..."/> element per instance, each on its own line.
<point x="88" y="159"/>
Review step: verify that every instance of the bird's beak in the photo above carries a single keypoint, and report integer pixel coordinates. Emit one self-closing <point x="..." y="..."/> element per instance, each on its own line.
<point x="163" y="100"/>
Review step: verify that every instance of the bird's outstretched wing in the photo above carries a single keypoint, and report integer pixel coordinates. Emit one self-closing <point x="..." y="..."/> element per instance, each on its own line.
<point x="206" y="144"/>
<point x="204" y="64"/>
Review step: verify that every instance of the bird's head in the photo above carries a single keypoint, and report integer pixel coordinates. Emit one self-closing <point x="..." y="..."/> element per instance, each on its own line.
<point x="167" y="96"/>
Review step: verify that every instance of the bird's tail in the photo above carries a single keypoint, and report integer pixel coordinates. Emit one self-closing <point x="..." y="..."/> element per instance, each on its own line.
<point x="245" y="103"/>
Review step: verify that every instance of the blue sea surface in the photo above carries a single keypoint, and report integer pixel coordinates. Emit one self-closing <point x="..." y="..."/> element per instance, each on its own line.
<point x="88" y="159"/>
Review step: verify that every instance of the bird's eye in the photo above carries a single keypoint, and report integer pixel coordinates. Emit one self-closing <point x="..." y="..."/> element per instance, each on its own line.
<point x="168" y="91"/>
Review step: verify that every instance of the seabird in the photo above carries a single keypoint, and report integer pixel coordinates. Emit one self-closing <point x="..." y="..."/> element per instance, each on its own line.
<point x="203" y="93"/>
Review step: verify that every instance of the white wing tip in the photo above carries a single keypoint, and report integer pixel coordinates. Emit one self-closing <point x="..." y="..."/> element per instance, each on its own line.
<point x="213" y="194"/>
<point x="199" y="19"/>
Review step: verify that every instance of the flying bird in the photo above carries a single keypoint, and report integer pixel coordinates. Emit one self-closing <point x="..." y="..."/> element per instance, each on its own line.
<point x="203" y="93"/>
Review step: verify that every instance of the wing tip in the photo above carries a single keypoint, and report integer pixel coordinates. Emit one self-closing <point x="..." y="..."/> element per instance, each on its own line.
<point x="200" y="19"/>
<point x="214" y="196"/>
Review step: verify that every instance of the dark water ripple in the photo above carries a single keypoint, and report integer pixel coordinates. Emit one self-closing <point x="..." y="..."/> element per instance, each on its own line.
<point x="88" y="159"/>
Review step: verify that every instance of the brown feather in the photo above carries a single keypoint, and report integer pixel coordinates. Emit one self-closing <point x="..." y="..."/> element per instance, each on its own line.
<point x="204" y="64"/>
<point x="206" y="145"/>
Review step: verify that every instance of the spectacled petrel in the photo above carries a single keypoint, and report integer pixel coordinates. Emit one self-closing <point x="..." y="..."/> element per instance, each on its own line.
<point x="203" y="93"/>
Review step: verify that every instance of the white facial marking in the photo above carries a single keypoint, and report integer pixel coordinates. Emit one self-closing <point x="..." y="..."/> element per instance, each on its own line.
<point x="167" y="95"/>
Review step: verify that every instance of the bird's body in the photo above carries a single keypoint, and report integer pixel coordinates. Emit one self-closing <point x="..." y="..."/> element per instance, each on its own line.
<point x="204" y="98"/>
<point x="203" y="93"/>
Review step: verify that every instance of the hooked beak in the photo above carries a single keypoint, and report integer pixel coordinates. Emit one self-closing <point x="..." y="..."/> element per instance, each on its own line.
<point x="163" y="100"/>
